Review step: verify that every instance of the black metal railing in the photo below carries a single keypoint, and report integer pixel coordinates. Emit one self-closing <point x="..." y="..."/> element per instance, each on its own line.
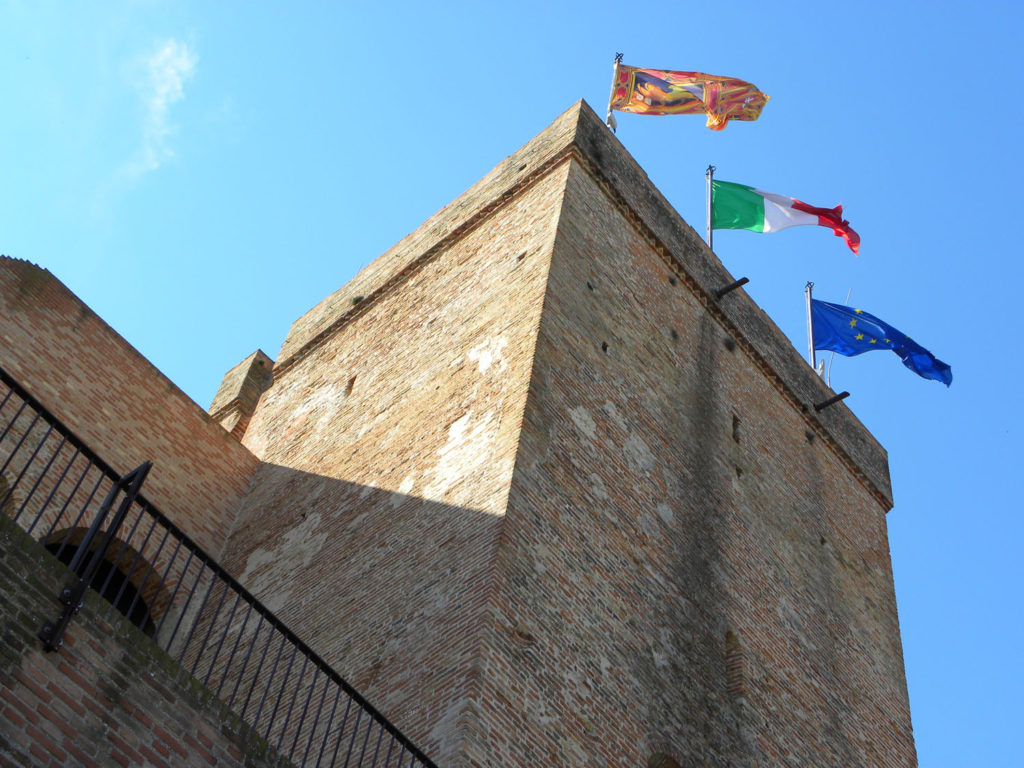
<point x="59" y="491"/>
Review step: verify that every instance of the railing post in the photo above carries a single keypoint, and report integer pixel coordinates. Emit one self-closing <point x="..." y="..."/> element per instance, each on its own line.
<point x="52" y="633"/>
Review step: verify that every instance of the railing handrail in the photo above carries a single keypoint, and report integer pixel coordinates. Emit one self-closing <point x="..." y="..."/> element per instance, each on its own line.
<point x="216" y="568"/>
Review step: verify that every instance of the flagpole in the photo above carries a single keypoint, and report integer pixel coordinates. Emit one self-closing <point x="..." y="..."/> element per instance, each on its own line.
<point x="609" y="119"/>
<point x="710" y="176"/>
<point x="810" y="327"/>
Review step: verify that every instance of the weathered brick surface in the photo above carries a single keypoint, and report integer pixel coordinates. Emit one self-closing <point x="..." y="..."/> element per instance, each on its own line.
<point x="668" y="495"/>
<point x="388" y="451"/>
<point x="541" y="497"/>
<point x="109" y="696"/>
<point x="119" y="403"/>
<point x="240" y="391"/>
<point x="517" y="172"/>
<point x="525" y="475"/>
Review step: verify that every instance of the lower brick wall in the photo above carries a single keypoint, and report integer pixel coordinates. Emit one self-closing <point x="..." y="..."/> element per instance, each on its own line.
<point x="119" y="404"/>
<point x="109" y="697"/>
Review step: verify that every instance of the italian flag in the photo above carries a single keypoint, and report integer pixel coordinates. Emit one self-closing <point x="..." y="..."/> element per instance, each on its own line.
<point x="735" y="206"/>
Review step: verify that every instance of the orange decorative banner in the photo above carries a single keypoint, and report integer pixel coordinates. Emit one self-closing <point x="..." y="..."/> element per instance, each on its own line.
<point x="665" y="92"/>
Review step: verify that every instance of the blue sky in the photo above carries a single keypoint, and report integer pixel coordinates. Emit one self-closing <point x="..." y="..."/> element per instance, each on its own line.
<point x="203" y="173"/>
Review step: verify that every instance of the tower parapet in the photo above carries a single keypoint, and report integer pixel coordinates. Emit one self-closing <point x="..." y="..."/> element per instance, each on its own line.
<point x="240" y="391"/>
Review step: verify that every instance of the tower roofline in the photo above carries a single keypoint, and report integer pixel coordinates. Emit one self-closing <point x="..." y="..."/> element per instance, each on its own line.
<point x="579" y="134"/>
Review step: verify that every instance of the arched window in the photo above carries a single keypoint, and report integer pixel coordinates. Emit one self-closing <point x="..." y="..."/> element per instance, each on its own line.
<point x="113" y="585"/>
<point x="661" y="760"/>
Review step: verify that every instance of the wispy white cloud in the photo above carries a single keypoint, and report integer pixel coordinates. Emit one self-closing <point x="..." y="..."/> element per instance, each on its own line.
<point x="163" y="74"/>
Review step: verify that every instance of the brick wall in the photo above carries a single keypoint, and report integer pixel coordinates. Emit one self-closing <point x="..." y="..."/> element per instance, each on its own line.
<point x="118" y="403"/>
<point x="108" y="697"/>
<point x="516" y="173"/>
<point x="240" y="391"/>
<point x="688" y="568"/>
<point x="388" y="451"/>
<point x="547" y="501"/>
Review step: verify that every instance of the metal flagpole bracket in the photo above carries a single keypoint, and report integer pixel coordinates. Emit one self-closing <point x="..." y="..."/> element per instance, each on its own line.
<point x="72" y="596"/>
<point x="831" y="401"/>
<point x="731" y="287"/>
<point x="609" y="119"/>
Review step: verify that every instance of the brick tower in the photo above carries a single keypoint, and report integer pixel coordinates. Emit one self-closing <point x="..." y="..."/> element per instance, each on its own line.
<point x="548" y="500"/>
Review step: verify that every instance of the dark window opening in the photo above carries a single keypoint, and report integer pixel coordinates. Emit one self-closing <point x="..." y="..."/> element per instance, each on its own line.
<point x="660" y="760"/>
<point x="119" y="591"/>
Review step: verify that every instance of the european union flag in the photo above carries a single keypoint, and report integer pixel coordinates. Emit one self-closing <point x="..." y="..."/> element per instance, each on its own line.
<point x="850" y="331"/>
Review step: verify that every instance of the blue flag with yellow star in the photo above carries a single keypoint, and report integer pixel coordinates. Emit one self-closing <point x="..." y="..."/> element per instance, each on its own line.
<point x="850" y="332"/>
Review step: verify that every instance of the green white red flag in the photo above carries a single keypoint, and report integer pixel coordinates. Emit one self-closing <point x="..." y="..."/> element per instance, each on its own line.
<point x="736" y="206"/>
